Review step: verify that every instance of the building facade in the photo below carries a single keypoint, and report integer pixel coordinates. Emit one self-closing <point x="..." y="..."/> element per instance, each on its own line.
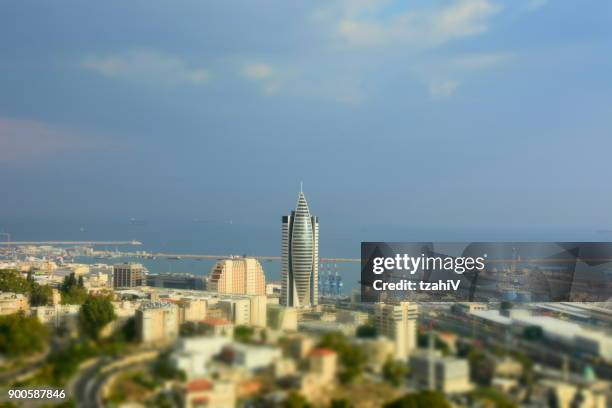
<point x="300" y="257"/>
<point x="398" y="322"/>
<point x="176" y="281"/>
<point x="157" y="322"/>
<point x="13" y="303"/>
<point x="243" y="276"/>
<point x="128" y="275"/>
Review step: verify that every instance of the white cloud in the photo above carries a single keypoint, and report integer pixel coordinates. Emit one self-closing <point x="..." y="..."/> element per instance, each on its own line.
<point x="30" y="139"/>
<point x="256" y="71"/>
<point x="147" y="65"/>
<point x="364" y="24"/>
<point x="443" y="89"/>
<point x="264" y="75"/>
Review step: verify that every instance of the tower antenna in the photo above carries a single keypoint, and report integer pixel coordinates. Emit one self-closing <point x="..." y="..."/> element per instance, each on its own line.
<point x="301" y="186"/>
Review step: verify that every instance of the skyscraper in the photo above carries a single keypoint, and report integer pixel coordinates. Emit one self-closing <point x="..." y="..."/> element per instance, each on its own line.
<point x="300" y="257"/>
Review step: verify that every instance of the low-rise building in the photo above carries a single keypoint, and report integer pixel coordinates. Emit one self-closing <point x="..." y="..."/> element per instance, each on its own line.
<point x="299" y="346"/>
<point x="13" y="303"/>
<point x="432" y="371"/>
<point x="251" y="357"/>
<point x="189" y="309"/>
<point x="193" y="354"/>
<point x="282" y="318"/>
<point x="57" y="315"/>
<point x="157" y="322"/>
<point x="236" y="310"/>
<point x="176" y="281"/>
<point x="323" y="363"/>
<point x="210" y="394"/>
<point x="218" y="327"/>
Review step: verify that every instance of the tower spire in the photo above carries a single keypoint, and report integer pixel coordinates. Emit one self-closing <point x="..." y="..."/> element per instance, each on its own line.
<point x="301" y="186"/>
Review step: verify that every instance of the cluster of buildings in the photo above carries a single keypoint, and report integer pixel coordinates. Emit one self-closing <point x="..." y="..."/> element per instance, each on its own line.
<point x="200" y="320"/>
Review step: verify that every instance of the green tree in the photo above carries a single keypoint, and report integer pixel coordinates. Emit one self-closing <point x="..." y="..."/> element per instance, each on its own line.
<point x="482" y="368"/>
<point x="69" y="282"/>
<point x="394" y="372"/>
<point x="498" y="399"/>
<point x="423" y="341"/>
<point x="72" y="292"/>
<point x="296" y="400"/>
<point x="340" y="403"/>
<point x="423" y="399"/>
<point x="96" y="312"/>
<point x="13" y="281"/>
<point x="527" y="364"/>
<point x="20" y="335"/>
<point x="351" y="357"/>
<point x="165" y="370"/>
<point x="533" y="333"/>
<point x="41" y="295"/>
<point x="243" y="334"/>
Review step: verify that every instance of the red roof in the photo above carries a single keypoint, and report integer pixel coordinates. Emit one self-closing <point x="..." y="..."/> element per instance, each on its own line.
<point x="322" y="352"/>
<point x="213" y="321"/>
<point x="201" y="384"/>
<point x="199" y="400"/>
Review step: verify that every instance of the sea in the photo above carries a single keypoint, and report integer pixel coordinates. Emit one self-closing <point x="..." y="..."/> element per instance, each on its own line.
<point x="232" y="238"/>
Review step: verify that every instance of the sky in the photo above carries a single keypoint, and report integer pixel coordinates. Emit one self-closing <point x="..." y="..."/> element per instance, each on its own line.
<point x="432" y="114"/>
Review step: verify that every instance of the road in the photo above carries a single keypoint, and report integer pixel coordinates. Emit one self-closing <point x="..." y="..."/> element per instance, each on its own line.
<point x="22" y="372"/>
<point x="86" y="387"/>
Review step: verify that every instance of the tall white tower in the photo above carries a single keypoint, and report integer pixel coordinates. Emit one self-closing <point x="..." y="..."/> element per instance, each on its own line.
<point x="300" y="257"/>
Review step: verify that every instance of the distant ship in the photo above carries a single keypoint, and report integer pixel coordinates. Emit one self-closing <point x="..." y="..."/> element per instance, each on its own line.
<point x="134" y="221"/>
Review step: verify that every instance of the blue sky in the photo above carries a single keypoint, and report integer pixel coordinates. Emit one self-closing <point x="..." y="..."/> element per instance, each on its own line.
<point x="459" y="113"/>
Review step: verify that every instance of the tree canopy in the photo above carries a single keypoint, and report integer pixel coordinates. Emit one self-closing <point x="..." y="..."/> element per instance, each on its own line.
<point x="394" y="372"/>
<point x="96" y="312"/>
<point x="73" y="292"/>
<point x="351" y="356"/>
<point x="20" y="335"/>
<point x="13" y="281"/>
<point x="423" y="399"/>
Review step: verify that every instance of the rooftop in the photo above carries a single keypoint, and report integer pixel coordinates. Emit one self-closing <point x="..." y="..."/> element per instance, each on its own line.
<point x="200" y="384"/>
<point x="214" y="321"/>
<point x="319" y="352"/>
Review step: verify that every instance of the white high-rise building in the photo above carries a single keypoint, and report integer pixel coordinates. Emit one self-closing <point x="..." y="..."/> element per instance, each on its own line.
<point x="300" y="257"/>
